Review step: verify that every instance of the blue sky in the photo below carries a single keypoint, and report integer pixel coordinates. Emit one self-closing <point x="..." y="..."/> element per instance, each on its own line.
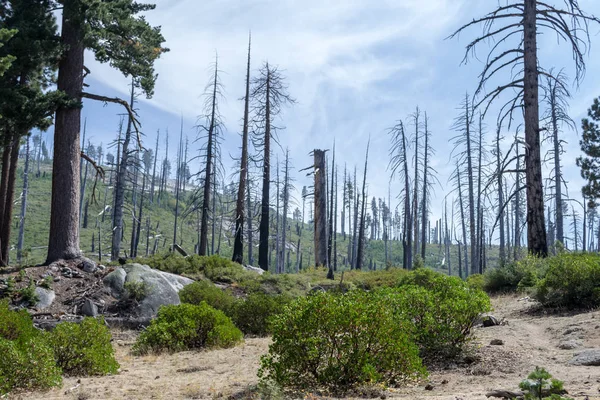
<point x="354" y="67"/>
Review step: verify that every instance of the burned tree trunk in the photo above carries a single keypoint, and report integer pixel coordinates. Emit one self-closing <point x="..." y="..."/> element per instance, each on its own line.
<point x="238" y="243"/>
<point x="320" y="214"/>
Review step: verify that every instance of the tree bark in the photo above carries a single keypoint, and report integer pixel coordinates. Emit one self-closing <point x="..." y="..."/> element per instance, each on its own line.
<point x="10" y="194"/>
<point x="208" y="170"/>
<point x="238" y="243"/>
<point x="320" y="214"/>
<point x="23" y="205"/>
<point x="263" y="245"/>
<point x="63" y="242"/>
<point x="536" y="226"/>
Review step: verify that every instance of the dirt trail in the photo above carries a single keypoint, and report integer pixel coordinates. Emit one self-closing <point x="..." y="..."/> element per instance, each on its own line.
<point x="529" y="340"/>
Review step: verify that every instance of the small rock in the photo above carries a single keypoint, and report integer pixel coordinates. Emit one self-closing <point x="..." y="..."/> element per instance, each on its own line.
<point x="590" y="357"/>
<point x="57" y="279"/>
<point x="101" y="267"/>
<point x="570" y="344"/>
<point x="489" y="320"/>
<point x="45" y="296"/>
<point x="497" y="342"/>
<point x="445" y="382"/>
<point x="89" y="308"/>
<point x="429" y="387"/>
<point x="88" y="265"/>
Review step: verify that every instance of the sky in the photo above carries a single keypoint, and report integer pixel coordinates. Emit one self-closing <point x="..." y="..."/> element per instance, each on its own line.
<point x="353" y="66"/>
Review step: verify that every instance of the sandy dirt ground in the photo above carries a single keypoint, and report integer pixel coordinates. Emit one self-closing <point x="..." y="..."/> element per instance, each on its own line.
<point x="530" y="339"/>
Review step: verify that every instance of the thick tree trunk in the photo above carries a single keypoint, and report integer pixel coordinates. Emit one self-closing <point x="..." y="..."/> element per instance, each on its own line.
<point x="63" y="242"/>
<point x="238" y="243"/>
<point x="10" y="194"/>
<point x="263" y="245"/>
<point x="320" y="214"/>
<point x="536" y="225"/>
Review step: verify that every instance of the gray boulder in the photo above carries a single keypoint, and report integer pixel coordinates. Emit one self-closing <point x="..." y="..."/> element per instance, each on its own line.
<point x="88" y="265"/>
<point x="114" y="282"/>
<point x="89" y="309"/>
<point x="161" y="287"/>
<point x="590" y="357"/>
<point x="45" y="296"/>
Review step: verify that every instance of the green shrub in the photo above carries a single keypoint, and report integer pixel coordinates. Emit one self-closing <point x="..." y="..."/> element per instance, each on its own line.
<point x="253" y="315"/>
<point x="16" y="325"/>
<point x="185" y="327"/>
<point x="27" y="364"/>
<point x="83" y="349"/>
<point x="540" y="385"/>
<point x="572" y="280"/>
<point x="339" y="341"/>
<point x="199" y="291"/>
<point x="370" y="280"/>
<point x="215" y="267"/>
<point x="476" y="281"/>
<point x="442" y="308"/>
<point x="136" y="290"/>
<point x="442" y="322"/>
<point x="28" y="294"/>
<point x="516" y="276"/>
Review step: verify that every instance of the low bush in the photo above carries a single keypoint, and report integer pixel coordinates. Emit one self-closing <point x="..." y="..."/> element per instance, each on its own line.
<point x="27" y="364"/>
<point x="571" y="280"/>
<point x="83" y="349"/>
<point x="540" y="385"/>
<point x="442" y="322"/>
<point x="215" y="267"/>
<point x="185" y="327"/>
<point x="16" y="325"/>
<point x="442" y="308"/>
<point x="136" y="290"/>
<point x="476" y="281"/>
<point x="521" y="275"/>
<point x="27" y="361"/>
<point x="253" y="315"/>
<point x="339" y="341"/>
<point x="199" y="291"/>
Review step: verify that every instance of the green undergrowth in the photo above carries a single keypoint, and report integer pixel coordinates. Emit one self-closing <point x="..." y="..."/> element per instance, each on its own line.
<point x="569" y="280"/>
<point x="343" y="339"/>
<point x="33" y="359"/>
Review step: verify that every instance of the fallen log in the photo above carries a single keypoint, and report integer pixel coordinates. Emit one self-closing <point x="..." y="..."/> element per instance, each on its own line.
<point x="505" y="394"/>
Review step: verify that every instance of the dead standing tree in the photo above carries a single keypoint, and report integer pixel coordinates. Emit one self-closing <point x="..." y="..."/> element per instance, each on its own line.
<point x="212" y="127"/>
<point x="320" y="214"/>
<point x="268" y="95"/>
<point x="399" y="162"/>
<point x="514" y="49"/>
<point x="238" y="243"/>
